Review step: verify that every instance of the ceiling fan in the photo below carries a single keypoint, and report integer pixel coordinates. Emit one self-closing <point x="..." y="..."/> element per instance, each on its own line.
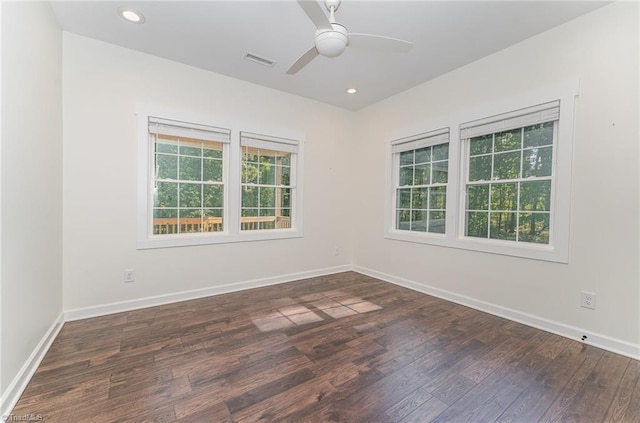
<point x="332" y="38"/>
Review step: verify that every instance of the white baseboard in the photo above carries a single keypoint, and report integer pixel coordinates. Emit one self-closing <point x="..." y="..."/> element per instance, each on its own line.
<point x="597" y="340"/>
<point x="11" y="396"/>
<point x="105" y="309"/>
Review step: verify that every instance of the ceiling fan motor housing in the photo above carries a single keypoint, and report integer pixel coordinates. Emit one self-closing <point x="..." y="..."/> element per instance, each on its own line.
<point x="332" y="42"/>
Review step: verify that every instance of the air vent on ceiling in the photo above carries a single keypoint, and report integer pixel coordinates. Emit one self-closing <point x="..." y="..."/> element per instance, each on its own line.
<point x="257" y="59"/>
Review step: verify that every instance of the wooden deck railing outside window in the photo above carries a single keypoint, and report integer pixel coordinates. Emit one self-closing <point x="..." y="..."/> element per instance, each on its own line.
<point x="163" y="226"/>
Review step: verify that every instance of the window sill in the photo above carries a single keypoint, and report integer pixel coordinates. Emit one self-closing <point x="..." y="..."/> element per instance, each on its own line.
<point x="190" y="240"/>
<point x="506" y="248"/>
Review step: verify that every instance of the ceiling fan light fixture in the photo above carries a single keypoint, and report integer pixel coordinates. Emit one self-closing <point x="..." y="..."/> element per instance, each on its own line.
<point x="333" y="42"/>
<point x="351" y="91"/>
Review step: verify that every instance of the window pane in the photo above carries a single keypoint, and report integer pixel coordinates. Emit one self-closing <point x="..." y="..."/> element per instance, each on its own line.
<point x="212" y="170"/>
<point x="212" y="150"/>
<point x="267" y="197"/>
<point x="423" y="155"/>
<point x="190" y="168"/>
<point x="440" y="172"/>
<point x="191" y="148"/>
<point x="406" y="175"/>
<point x="504" y="196"/>
<point x="284" y="159"/>
<point x="537" y="162"/>
<point x="212" y="220"/>
<point x="503" y="226"/>
<point x="267" y="212"/>
<point x="534" y="227"/>
<point x="403" y="218"/>
<point x="165" y="221"/>
<point x="249" y="212"/>
<point x="249" y="155"/>
<point x="419" y="198"/>
<point x="477" y="224"/>
<point x="419" y="221"/>
<point x="508" y="140"/>
<point x="478" y="197"/>
<point x="190" y="195"/>
<point x="440" y="152"/>
<point x="421" y="175"/>
<point x="267" y="174"/>
<point x="438" y="198"/>
<point x="167" y="166"/>
<point x="250" y="196"/>
<point x="268" y="157"/>
<point x="285" y="196"/>
<point x="283" y="175"/>
<point x="535" y="196"/>
<point x="507" y="165"/>
<point x="437" y="222"/>
<point x="166" y="195"/>
<point x="404" y="198"/>
<point x="481" y="145"/>
<point x="249" y="173"/>
<point x="480" y="168"/>
<point x="406" y="158"/>
<point x="537" y="135"/>
<point x="190" y="220"/>
<point x="213" y="196"/>
<point x="163" y="146"/>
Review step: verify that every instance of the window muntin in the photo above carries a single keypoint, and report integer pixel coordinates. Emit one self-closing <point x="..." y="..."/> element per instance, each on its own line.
<point x="539" y="193"/>
<point x="188" y="192"/>
<point x="187" y="177"/>
<point x="190" y="182"/>
<point x="268" y="182"/>
<point x="421" y="194"/>
<point x="266" y="189"/>
<point x="421" y="174"/>
<point x="509" y="182"/>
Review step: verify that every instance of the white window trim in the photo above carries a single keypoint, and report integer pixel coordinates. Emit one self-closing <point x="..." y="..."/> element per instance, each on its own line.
<point x="232" y="192"/>
<point x="431" y="138"/>
<point x="558" y="248"/>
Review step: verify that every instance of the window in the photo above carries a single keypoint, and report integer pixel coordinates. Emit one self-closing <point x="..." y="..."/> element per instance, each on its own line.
<point x="421" y="168"/>
<point x="268" y="182"/>
<point x="188" y="177"/>
<point x="200" y="183"/>
<point x="510" y="175"/>
<point x="495" y="179"/>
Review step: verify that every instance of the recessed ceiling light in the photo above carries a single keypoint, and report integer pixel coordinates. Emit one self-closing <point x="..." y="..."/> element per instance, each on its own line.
<point x="131" y="15"/>
<point x="351" y="91"/>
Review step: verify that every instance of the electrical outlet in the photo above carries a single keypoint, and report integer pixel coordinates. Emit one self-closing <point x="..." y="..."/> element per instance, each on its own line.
<point x="129" y="276"/>
<point x="336" y="251"/>
<point x="588" y="300"/>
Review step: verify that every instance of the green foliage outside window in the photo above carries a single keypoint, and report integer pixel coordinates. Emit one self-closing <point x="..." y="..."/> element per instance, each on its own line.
<point x="421" y="193"/>
<point x="189" y="190"/>
<point x="509" y="184"/>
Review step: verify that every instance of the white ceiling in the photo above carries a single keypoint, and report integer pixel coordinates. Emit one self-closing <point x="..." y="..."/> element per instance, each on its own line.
<point x="215" y="35"/>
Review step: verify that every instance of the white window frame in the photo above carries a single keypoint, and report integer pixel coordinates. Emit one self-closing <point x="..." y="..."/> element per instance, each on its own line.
<point x="558" y="248"/>
<point x="436" y="137"/>
<point x="260" y="141"/>
<point x="231" y="176"/>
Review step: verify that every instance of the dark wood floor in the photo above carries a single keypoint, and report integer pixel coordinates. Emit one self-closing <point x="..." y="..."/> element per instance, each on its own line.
<point x="340" y="348"/>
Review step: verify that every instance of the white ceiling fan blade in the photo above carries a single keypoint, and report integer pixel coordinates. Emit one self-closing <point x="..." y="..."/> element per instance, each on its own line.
<point x="378" y="42"/>
<point x="303" y="60"/>
<point x="315" y="13"/>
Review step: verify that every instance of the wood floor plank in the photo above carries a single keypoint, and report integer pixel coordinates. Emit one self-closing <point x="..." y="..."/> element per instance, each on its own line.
<point x="336" y="348"/>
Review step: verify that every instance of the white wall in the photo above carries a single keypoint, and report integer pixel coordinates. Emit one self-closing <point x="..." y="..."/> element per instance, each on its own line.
<point x="102" y="84"/>
<point x="31" y="190"/>
<point x="600" y="48"/>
